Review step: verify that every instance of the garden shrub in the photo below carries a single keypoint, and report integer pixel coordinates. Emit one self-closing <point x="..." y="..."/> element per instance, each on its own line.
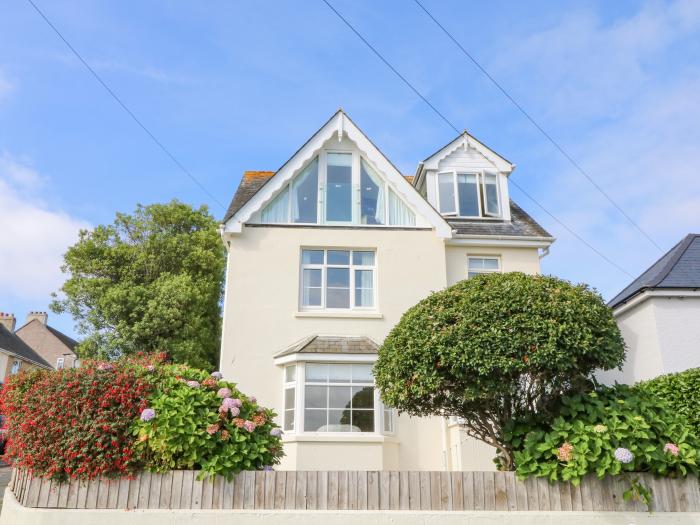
<point x="494" y="348"/>
<point x="115" y="418"/>
<point x="607" y="432"/>
<point x="681" y="391"/>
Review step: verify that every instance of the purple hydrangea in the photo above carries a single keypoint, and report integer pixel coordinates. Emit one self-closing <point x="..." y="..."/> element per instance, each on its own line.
<point x="623" y="455"/>
<point x="217" y="375"/>
<point x="235" y="411"/>
<point x="276" y="432"/>
<point x="224" y="392"/>
<point x="267" y="468"/>
<point x="193" y="384"/>
<point x="147" y="414"/>
<point x="249" y="426"/>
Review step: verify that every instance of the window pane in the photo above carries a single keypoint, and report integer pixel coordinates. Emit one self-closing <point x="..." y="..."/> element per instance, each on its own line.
<point x="363" y="258"/>
<point x="399" y="213"/>
<point x="363" y="420"/>
<point x="371" y="196"/>
<point x="490" y="264"/>
<point x="338" y="257"/>
<point x="289" y="419"/>
<point x="472" y="274"/>
<point x="364" y="290"/>
<point x="491" y="194"/>
<point x="305" y="194"/>
<point x="362" y="397"/>
<point x="468" y="195"/>
<point x="316" y="397"/>
<point x="339" y="421"/>
<point x="339" y="373"/>
<point x="290" y="373"/>
<point x="317" y="373"/>
<point x="338" y="287"/>
<point x="289" y="398"/>
<point x="278" y="210"/>
<point x="312" y="257"/>
<point x="315" y="420"/>
<point x="339" y="396"/>
<point x="338" y="277"/>
<point x="446" y="190"/>
<point x="339" y="187"/>
<point x="338" y="298"/>
<point x="311" y="287"/>
<point x="362" y="374"/>
<point x="388" y="420"/>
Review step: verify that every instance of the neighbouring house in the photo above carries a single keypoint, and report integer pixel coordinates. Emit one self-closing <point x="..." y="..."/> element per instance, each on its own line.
<point x="15" y="354"/>
<point x="55" y="347"/>
<point x="659" y="316"/>
<point x="325" y="255"/>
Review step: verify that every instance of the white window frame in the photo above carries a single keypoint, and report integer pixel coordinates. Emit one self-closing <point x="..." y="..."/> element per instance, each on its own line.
<point x="299" y="402"/>
<point x="60" y="363"/>
<point x="482" y="271"/>
<point x="324" y="289"/>
<point x="16" y="367"/>
<point x="481" y="194"/>
<point x="286" y="386"/>
<point x="356" y="193"/>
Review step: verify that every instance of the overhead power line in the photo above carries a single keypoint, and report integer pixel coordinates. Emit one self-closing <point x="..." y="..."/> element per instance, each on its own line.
<point x="126" y="108"/>
<point x="451" y="125"/>
<point x="529" y="117"/>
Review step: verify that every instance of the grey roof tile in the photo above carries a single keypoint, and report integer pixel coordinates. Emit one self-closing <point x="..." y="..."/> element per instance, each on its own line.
<point x="331" y="344"/>
<point x="520" y="225"/>
<point x="12" y="343"/>
<point x="677" y="268"/>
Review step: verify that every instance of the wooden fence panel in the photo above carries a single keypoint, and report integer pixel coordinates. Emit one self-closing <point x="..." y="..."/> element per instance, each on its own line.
<point x="355" y="490"/>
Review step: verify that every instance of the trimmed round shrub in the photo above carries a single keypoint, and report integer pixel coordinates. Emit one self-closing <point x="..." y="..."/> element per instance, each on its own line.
<point x="607" y="432"/>
<point x="115" y="418"/>
<point x="494" y="348"/>
<point x="681" y="391"/>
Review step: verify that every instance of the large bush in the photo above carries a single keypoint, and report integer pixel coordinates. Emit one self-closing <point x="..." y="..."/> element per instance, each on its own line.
<point x="681" y="391"/>
<point x="114" y="418"/>
<point x="606" y="432"/>
<point x="494" y="348"/>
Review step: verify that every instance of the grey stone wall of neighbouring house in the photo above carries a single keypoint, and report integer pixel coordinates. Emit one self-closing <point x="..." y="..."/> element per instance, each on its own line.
<point x="55" y="347"/>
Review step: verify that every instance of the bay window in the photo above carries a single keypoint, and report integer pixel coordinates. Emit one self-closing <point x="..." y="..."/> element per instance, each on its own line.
<point x="337" y="279"/>
<point x="468" y="194"/>
<point x="338" y="188"/>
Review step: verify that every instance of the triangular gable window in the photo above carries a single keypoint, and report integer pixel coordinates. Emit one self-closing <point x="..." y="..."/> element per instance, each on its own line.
<point x="338" y="188"/>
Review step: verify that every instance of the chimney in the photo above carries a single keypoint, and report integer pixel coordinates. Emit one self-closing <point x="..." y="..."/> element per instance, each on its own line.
<point x="42" y="317"/>
<point x="8" y="321"/>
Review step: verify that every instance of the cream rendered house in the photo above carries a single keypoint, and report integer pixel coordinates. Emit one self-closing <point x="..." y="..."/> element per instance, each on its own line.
<point x="326" y="254"/>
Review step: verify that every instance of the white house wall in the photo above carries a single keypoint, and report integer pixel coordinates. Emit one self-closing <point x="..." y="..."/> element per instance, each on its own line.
<point x="678" y="329"/>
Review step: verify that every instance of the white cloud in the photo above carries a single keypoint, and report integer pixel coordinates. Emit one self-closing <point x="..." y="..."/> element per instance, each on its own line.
<point x="33" y="237"/>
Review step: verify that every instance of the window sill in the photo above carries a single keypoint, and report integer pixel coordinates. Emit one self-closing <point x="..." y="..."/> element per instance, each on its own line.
<point x="349" y="314"/>
<point x="338" y="438"/>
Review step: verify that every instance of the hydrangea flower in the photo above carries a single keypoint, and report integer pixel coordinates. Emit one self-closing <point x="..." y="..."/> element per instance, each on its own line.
<point x="600" y="429"/>
<point x="671" y="448"/>
<point x="249" y="426"/>
<point x="565" y="452"/>
<point x="210" y="382"/>
<point x="276" y="432"/>
<point x="235" y="411"/>
<point x="193" y="384"/>
<point x="237" y="403"/>
<point x="104" y="366"/>
<point x="267" y="468"/>
<point x="147" y="414"/>
<point x="224" y="392"/>
<point x="253" y="399"/>
<point x="213" y="429"/>
<point x="225" y="435"/>
<point x="623" y="455"/>
<point x="217" y="375"/>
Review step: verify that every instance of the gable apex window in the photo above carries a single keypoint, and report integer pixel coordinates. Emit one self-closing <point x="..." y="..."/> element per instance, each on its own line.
<point x="468" y="194"/>
<point x="338" y="188"/>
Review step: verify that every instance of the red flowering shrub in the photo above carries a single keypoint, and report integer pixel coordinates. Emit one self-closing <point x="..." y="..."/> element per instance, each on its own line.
<point x="75" y="422"/>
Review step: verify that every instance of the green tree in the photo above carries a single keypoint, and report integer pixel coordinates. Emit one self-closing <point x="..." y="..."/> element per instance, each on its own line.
<point x="150" y="281"/>
<point x="495" y="348"/>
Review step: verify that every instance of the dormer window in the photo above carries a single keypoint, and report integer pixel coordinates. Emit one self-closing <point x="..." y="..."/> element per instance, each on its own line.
<point x="338" y="188"/>
<point x="468" y="194"/>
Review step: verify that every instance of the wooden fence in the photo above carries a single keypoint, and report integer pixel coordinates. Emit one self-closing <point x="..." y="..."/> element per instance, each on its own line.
<point x="353" y="490"/>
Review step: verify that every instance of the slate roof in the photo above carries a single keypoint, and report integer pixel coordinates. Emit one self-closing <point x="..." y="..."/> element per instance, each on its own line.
<point x="331" y="344"/>
<point x="250" y="184"/>
<point x="68" y="341"/>
<point x="520" y="225"/>
<point x="679" y="268"/>
<point x="13" y="344"/>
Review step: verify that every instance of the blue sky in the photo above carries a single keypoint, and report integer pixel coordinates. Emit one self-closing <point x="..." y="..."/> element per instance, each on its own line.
<point x="230" y="86"/>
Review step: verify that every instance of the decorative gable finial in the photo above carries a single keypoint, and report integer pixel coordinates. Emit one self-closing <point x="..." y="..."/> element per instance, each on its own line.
<point x="340" y="125"/>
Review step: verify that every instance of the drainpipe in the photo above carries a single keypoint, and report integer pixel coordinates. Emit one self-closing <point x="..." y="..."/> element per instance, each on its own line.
<point x="544" y="253"/>
<point x="445" y="449"/>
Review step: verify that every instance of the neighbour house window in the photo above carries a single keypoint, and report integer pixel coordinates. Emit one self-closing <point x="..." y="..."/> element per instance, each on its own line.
<point x="337" y="279"/>
<point x="290" y="377"/>
<point x="338" y="188"/>
<point x="478" y="265"/>
<point x="339" y="398"/>
<point x="15" y="367"/>
<point x="59" y="363"/>
<point x="468" y="194"/>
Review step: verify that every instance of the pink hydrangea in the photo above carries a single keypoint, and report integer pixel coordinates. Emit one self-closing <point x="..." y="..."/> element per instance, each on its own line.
<point x="147" y="414"/>
<point x="249" y="426"/>
<point x="253" y="399"/>
<point x="224" y="392"/>
<point x="237" y="403"/>
<point x="193" y="384"/>
<point x="104" y="367"/>
<point x="213" y="429"/>
<point x="565" y="452"/>
<point x="671" y="448"/>
<point x="235" y="411"/>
